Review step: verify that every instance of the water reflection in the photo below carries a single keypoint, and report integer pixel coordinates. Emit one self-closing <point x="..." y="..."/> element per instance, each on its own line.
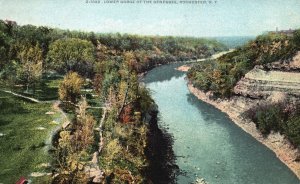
<point x="208" y="112"/>
<point x="163" y="73"/>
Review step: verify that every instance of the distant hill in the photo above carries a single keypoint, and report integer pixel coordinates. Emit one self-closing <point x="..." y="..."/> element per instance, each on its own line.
<point x="234" y="41"/>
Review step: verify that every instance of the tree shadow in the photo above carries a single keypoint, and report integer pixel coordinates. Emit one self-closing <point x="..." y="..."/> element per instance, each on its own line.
<point x="162" y="161"/>
<point x="11" y="106"/>
<point x="208" y="112"/>
<point x="164" y="73"/>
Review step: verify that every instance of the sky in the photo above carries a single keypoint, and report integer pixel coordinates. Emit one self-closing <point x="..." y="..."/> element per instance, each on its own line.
<point x="221" y="18"/>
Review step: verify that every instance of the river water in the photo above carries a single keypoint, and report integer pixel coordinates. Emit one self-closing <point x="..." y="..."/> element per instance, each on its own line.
<point x="207" y="144"/>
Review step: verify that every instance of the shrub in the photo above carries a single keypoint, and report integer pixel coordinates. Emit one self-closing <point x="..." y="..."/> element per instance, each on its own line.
<point x="69" y="88"/>
<point x="268" y="119"/>
<point x="282" y="117"/>
<point x="292" y="130"/>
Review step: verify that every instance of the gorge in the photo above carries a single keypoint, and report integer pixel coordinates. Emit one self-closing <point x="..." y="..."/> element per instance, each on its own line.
<point x="207" y="143"/>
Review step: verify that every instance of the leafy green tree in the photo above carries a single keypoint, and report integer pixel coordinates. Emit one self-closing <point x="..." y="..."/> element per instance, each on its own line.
<point x="72" y="54"/>
<point x="4" y="48"/>
<point x="296" y="38"/>
<point x="31" y="67"/>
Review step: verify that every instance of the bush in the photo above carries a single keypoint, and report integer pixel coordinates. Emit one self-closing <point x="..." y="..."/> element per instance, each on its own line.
<point x="268" y="119"/>
<point x="292" y="130"/>
<point x="282" y="117"/>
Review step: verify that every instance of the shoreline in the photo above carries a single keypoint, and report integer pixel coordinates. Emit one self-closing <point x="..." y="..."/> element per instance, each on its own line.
<point x="275" y="142"/>
<point x="183" y="68"/>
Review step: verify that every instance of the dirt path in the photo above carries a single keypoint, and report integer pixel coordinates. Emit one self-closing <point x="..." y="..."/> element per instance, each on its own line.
<point x="64" y="118"/>
<point x="22" y="96"/>
<point x="55" y="106"/>
<point x="101" y="143"/>
<point x="92" y="169"/>
<point x="185" y="68"/>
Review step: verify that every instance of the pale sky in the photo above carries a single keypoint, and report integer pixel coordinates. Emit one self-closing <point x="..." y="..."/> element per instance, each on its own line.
<point x="224" y="18"/>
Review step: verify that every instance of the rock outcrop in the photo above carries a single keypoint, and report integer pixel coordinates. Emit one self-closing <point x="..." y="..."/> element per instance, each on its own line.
<point x="262" y="84"/>
<point x="282" y="77"/>
<point x="286" y="65"/>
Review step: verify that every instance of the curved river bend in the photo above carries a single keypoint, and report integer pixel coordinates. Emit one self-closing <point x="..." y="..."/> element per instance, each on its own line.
<point x="207" y="143"/>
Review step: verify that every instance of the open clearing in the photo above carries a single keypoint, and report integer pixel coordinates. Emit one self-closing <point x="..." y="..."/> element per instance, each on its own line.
<point x="25" y="128"/>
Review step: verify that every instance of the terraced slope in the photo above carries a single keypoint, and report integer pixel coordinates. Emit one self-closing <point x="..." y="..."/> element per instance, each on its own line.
<point x="261" y="84"/>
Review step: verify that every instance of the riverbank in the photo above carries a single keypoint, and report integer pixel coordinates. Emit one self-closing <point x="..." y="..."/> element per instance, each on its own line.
<point x="234" y="108"/>
<point x="183" y="68"/>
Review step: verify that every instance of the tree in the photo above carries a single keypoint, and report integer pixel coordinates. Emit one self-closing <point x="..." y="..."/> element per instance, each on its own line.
<point x="126" y="114"/>
<point x="69" y="88"/>
<point x="296" y="38"/>
<point x="97" y="83"/>
<point x="72" y="54"/>
<point x="85" y="124"/>
<point x="31" y="67"/>
<point x="4" y="47"/>
<point x="268" y="118"/>
<point x="73" y="148"/>
<point x="130" y="60"/>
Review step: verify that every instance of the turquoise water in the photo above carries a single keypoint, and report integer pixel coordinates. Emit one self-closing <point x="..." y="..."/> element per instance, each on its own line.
<point x="207" y="143"/>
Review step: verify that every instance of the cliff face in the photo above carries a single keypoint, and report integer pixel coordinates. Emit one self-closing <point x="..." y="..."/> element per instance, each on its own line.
<point x="276" y="80"/>
<point x="263" y="84"/>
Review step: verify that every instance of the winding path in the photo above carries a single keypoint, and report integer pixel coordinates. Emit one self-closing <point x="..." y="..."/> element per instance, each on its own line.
<point x="22" y="96"/>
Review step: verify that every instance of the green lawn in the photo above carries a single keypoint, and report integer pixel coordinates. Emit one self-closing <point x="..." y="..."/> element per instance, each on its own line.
<point x="46" y="90"/>
<point x="23" y="145"/>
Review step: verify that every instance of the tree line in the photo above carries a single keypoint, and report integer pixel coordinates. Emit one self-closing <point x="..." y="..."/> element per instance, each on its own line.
<point x="28" y="51"/>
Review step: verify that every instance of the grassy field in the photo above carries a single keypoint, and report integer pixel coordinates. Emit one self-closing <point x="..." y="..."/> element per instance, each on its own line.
<point x="45" y="90"/>
<point x="24" y="131"/>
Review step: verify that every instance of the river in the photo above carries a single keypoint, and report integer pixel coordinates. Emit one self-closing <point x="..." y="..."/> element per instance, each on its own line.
<point x="207" y="144"/>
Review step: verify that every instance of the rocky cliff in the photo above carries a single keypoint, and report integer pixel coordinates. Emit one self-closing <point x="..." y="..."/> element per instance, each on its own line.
<point x="273" y="81"/>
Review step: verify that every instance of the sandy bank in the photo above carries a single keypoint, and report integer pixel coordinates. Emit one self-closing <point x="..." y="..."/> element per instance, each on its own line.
<point x="276" y="142"/>
<point x="183" y="68"/>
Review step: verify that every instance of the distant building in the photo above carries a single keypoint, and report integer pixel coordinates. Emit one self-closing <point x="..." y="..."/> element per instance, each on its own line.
<point x="289" y="32"/>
